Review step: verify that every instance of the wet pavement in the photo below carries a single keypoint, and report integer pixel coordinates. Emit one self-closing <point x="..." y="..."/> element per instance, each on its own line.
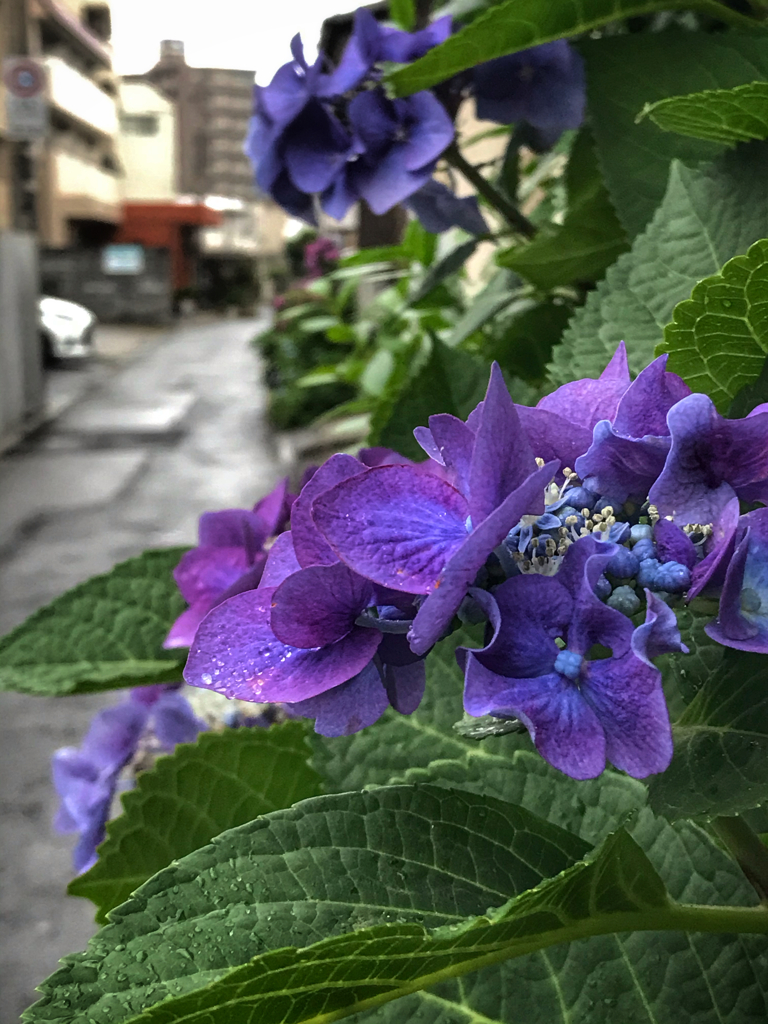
<point x="166" y="426"/>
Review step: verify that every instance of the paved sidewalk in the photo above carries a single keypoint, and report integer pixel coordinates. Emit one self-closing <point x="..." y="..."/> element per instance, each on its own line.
<point x="173" y="429"/>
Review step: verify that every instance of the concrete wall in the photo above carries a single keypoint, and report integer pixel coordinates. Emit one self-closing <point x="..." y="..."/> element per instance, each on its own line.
<point x="21" y="371"/>
<point x="149" y="160"/>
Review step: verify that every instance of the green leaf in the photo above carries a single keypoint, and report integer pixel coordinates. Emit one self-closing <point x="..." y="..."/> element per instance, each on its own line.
<point x="523" y="341"/>
<point x="719" y="115"/>
<point x="626" y="72"/>
<point x="327" y="866"/>
<point x="568" y="983"/>
<point x="519" y="24"/>
<point x="750" y="396"/>
<point x="500" y="292"/>
<point x="685" y="674"/>
<point x="222" y="780"/>
<point x="718" y="339"/>
<point x="403" y="13"/>
<point x="103" y="634"/>
<point x="709" y="214"/>
<point x="451" y="381"/>
<point x="590" y="238"/>
<point x="619" y="890"/>
<point x="445" y="267"/>
<point x="720" y="764"/>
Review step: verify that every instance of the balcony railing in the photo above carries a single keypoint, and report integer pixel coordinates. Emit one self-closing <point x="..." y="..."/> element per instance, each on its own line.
<point x="76" y="95"/>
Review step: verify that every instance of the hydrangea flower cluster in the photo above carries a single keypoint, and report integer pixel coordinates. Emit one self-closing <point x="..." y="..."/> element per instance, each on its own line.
<point x="86" y="777"/>
<point x="332" y="136"/>
<point x="572" y="529"/>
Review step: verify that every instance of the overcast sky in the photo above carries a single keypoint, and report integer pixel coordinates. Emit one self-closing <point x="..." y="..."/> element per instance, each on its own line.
<point x="218" y="33"/>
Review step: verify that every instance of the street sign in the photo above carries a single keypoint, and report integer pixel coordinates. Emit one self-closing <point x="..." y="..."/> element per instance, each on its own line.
<point x="26" y="104"/>
<point x="122" y="259"/>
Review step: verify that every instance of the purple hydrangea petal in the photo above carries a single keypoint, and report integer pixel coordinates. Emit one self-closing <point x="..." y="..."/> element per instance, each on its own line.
<point x="388" y="182"/>
<point x="205" y="572"/>
<point x="285" y="96"/>
<point x="405" y="47"/>
<point x="710" y="459"/>
<point x="310" y="545"/>
<point x="114" y="733"/>
<point x="374" y="120"/>
<point x="319" y="605"/>
<point x="182" y="632"/>
<point x="459" y="572"/>
<point x="623" y="467"/>
<point x="586" y="402"/>
<point x="315" y="148"/>
<point x="427" y="441"/>
<point x="339" y="197"/>
<point x="359" y="56"/>
<point x="281" y="561"/>
<point x="404" y="685"/>
<point x="232" y="528"/>
<point x="95" y="829"/>
<point x="742" y="621"/>
<point x="347" y="708"/>
<point x="644" y="405"/>
<point x="553" y="437"/>
<point x="439" y="209"/>
<point x="659" y="634"/>
<point x="710" y="571"/>
<point x="501" y="458"/>
<point x="430" y="130"/>
<point x="541" y="609"/>
<point x="378" y="456"/>
<point x="544" y="85"/>
<point x="628" y="699"/>
<point x="274" y="508"/>
<point x="395" y="525"/>
<point x="593" y="622"/>
<point x="174" y="721"/>
<point x="674" y="544"/>
<point x="236" y="653"/>
<point x="563" y="727"/>
<point x="455" y="443"/>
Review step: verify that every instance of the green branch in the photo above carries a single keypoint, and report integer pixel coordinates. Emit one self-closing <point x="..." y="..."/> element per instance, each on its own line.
<point x="489" y="192"/>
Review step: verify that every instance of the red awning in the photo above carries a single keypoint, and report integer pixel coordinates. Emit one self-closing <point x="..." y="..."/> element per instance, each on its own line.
<point x="173" y="213"/>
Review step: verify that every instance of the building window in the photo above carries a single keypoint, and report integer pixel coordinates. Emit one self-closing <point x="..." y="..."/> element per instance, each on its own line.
<point x="139" y="124"/>
<point x="97" y="19"/>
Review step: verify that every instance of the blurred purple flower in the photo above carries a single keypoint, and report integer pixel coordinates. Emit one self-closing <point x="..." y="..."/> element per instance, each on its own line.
<point x="399" y="143"/>
<point x="578" y="711"/>
<point x="85" y="777"/>
<point x="371" y="43"/>
<point x="439" y="209"/>
<point x="229" y="559"/>
<point x="320" y="256"/>
<point x="544" y="86"/>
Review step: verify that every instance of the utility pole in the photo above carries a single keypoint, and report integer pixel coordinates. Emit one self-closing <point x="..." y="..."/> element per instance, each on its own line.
<point x="22" y="161"/>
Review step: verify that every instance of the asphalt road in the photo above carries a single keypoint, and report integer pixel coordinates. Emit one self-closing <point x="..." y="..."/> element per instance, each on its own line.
<point x="166" y="426"/>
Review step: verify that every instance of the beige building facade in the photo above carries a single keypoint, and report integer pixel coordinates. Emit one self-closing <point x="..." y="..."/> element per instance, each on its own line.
<point x="147" y="143"/>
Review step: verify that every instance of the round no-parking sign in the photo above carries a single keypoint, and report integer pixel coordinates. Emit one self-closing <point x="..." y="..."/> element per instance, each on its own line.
<point x="26" y="106"/>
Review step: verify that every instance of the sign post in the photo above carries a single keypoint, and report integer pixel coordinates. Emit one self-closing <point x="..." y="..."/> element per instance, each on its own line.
<point x="26" y="104"/>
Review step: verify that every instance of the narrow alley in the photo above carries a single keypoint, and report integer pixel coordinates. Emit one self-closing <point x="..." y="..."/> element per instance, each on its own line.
<point x="174" y="429"/>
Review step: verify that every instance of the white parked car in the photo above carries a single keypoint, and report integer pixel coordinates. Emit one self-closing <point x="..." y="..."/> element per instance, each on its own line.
<point x="66" y="328"/>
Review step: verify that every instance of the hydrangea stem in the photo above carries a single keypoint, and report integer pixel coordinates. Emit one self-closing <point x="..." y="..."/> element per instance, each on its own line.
<point x="489" y="192"/>
<point x="748" y="850"/>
